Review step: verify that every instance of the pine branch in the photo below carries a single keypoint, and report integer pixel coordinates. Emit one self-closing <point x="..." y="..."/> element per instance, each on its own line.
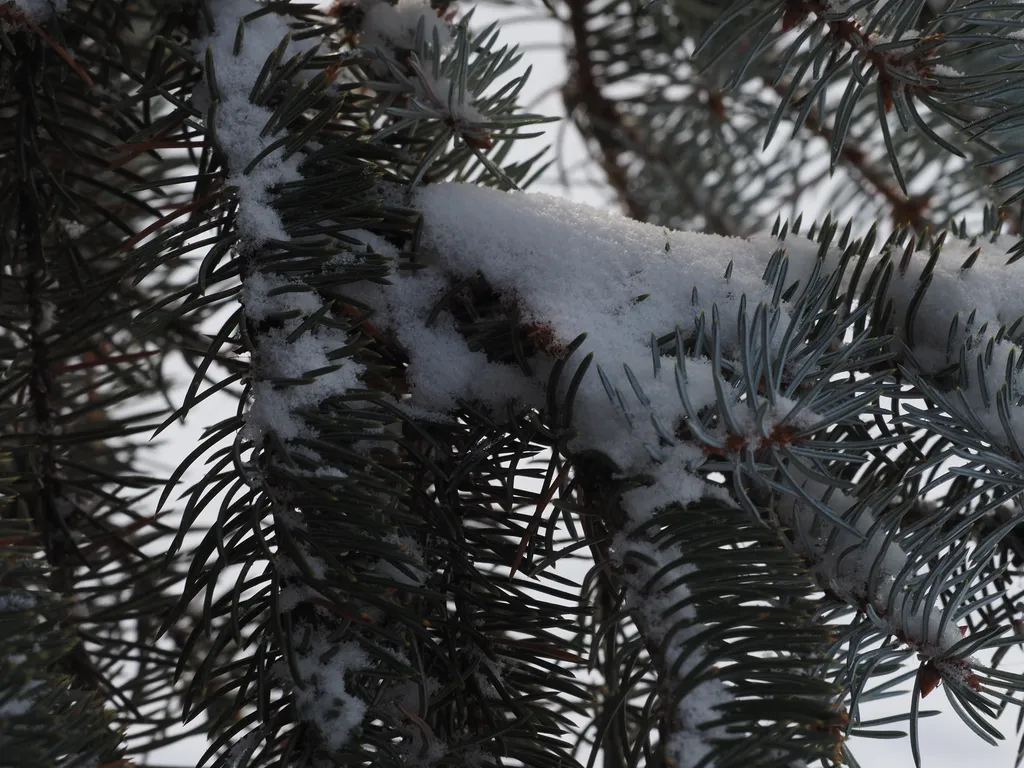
<point x="70" y="363"/>
<point x="377" y="583"/>
<point x="582" y="96"/>
<point x="614" y="133"/>
<point x="906" y="71"/>
<point x="905" y="210"/>
<point x="775" y="412"/>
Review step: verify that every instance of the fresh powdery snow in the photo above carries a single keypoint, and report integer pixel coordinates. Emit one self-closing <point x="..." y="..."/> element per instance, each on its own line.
<point x="321" y="696"/>
<point x="395" y="26"/>
<point x="577" y="269"/>
<point x="238" y="121"/>
<point x="981" y="300"/>
<point x="441" y="366"/>
<point x="238" y="124"/>
<point x="39" y="10"/>
<point x="689" y="744"/>
<point x="275" y="406"/>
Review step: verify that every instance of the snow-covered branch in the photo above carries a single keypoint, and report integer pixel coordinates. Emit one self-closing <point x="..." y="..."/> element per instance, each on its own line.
<point x="293" y="367"/>
<point x="654" y="592"/>
<point x="574" y="270"/>
<point x="236" y="118"/>
<point x="870" y="572"/>
<point x="960" y="307"/>
<point x="33" y="10"/>
<point x="564" y="271"/>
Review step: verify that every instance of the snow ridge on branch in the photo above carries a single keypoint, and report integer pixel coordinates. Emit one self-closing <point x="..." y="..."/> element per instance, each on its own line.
<point x="575" y="270"/>
<point x="293" y="367"/>
<point x="33" y="10"/>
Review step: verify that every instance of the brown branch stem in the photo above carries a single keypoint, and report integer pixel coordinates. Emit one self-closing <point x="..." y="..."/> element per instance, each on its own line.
<point x="909" y="211"/>
<point x="594" y="114"/>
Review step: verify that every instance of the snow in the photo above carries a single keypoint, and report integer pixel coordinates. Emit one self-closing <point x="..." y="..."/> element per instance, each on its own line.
<point x="580" y="269"/>
<point x="442" y="368"/>
<point x="689" y="743"/>
<point x="276" y="406"/>
<point x="675" y="482"/>
<point x="576" y="270"/>
<point x="73" y="229"/>
<point x="394" y="26"/>
<point x="321" y="695"/>
<point x="239" y="122"/>
<point x="39" y="10"/>
<point x="573" y="270"/>
<point x="989" y="287"/>
<point x="990" y="290"/>
<point x="264" y="295"/>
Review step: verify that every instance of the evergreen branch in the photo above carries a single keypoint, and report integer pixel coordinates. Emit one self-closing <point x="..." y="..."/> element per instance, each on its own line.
<point x="894" y="69"/>
<point x="672" y="138"/>
<point x="314" y="407"/>
<point x="582" y="95"/>
<point x="60" y="52"/>
<point x="738" y="407"/>
<point x="904" y="210"/>
<point x="46" y="718"/>
<point x="70" y="363"/>
<point x="907" y="66"/>
<point x="376" y="582"/>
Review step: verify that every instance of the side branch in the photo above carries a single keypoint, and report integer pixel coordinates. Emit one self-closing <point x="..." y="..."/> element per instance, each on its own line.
<point x="905" y="211"/>
<point x="594" y="113"/>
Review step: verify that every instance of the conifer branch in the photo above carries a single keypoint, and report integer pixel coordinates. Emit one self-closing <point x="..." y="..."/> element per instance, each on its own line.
<point x="904" y="210"/>
<point x="600" y="118"/>
<point x="584" y="101"/>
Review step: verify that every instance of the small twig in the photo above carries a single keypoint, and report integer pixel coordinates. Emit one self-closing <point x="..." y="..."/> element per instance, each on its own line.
<point x="905" y="210"/>
<point x="605" y="124"/>
<point x="60" y="52"/>
<point x="582" y="90"/>
<point x="161" y="222"/>
<point x="535" y="522"/>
